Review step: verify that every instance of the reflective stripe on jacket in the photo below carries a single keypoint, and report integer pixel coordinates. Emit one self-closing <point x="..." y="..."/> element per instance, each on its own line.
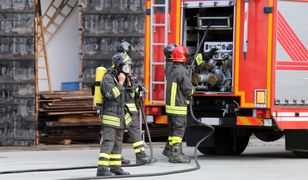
<point x="179" y="88"/>
<point x="113" y="105"/>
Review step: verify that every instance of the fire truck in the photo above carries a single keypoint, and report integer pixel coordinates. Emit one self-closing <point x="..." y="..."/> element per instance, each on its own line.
<point x="256" y="83"/>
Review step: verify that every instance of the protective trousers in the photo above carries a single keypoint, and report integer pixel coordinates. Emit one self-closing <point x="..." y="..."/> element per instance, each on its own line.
<point x="111" y="147"/>
<point x="178" y="124"/>
<point x="135" y="133"/>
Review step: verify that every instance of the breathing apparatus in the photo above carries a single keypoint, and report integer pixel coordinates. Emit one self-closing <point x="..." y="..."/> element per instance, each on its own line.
<point x="122" y="63"/>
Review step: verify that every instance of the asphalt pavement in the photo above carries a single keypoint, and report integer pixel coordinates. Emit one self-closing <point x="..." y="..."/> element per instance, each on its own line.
<point x="261" y="160"/>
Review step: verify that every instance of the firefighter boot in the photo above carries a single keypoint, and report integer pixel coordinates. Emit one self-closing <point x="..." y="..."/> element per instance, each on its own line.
<point x="104" y="171"/>
<point x="125" y="161"/>
<point x="167" y="150"/>
<point x="142" y="158"/>
<point x="118" y="171"/>
<point x="177" y="155"/>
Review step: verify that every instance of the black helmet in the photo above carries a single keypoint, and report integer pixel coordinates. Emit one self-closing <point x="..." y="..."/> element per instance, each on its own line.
<point x="122" y="62"/>
<point x="126" y="47"/>
<point x="168" y="51"/>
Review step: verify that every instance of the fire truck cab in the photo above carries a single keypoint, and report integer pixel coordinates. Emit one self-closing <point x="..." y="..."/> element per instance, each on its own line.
<point x="256" y="83"/>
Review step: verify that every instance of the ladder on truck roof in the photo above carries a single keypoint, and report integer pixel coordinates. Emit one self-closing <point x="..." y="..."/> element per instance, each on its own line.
<point x="48" y="25"/>
<point x="163" y="4"/>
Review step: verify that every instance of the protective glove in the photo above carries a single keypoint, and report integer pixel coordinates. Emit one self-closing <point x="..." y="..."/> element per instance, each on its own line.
<point x="199" y="59"/>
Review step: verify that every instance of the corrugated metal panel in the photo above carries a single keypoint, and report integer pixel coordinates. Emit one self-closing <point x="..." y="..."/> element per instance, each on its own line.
<point x="296" y="13"/>
<point x="292" y="84"/>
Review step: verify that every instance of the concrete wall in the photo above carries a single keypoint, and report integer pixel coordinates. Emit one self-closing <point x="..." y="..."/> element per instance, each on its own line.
<point x="62" y="50"/>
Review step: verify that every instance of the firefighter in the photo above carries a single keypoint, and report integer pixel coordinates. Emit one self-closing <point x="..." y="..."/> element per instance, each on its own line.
<point x="178" y="91"/>
<point x="199" y="60"/>
<point x="168" y="68"/>
<point x="113" y="116"/>
<point x="131" y="91"/>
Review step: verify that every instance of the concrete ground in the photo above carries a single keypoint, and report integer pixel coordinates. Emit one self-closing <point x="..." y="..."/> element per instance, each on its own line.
<point x="260" y="160"/>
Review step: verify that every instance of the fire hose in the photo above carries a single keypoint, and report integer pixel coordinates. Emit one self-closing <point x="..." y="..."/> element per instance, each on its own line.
<point x="135" y="175"/>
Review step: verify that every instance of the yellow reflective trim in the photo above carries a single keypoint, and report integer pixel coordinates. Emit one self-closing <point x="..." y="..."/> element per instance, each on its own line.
<point x="138" y="143"/>
<point x="104" y="155"/>
<point x="115" y="163"/>
<point x="132" y="107"/>
<point x="112" y="118"/>
<point x="175" y="140"/>
<point x="115" y="156"/>
<point x="103" y="163"/>
<point x="139" y="150"/>
<point x="128" y="119"/>
<point x="116" y="92"/>
<point x="127" y="58"/>
<point x="127" y="116"/>
<point x="132" y="94"/>
<point x="107" y="122"/>
<point x="173" y="93"/>
<point x="176" y="110"/>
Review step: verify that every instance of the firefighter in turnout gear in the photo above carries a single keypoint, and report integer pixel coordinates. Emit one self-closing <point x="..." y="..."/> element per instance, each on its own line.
<point x="200" y="58"/>
<point x="113" y="117"/>
<point x="168" y="68"/>
<point x="179" y="90"/>
<point x="133" y="129"/>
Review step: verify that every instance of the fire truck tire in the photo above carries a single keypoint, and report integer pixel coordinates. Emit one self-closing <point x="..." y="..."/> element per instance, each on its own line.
<point x="268" y="135"/>
<point x="301" y="154"/>
<point x="207" y="150"/>
<point x="230" y="141"/>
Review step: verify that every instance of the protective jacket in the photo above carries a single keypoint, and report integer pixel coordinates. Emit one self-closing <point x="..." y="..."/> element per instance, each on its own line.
<point x="113" y="114"/>
<point x="129" y="103"/>
<point x="179" y="88"/>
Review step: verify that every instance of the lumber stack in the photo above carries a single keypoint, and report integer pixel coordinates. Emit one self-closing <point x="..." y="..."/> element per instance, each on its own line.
<point x="67" y="117"/>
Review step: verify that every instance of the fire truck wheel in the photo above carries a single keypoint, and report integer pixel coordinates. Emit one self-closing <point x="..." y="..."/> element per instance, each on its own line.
<point x="207" y="150"/>
<point x="301" y="154"/>
<point x="268" y="135"/>
<point x="230" y="141"/>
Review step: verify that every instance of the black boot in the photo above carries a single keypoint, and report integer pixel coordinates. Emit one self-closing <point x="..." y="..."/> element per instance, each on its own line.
<point x="104" y="171"/>
<point x="177" y="155"/>
<point x="118" y="171"/>
<point x="167" y="150"/>
<point x="125" y="161"/>
<point x="142" y="158"/>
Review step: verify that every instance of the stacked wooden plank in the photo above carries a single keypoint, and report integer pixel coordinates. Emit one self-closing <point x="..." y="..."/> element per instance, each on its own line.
<point x="68" y="117"/>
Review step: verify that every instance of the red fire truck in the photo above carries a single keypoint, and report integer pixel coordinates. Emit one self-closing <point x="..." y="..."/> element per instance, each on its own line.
<point x="257" y="83"/>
